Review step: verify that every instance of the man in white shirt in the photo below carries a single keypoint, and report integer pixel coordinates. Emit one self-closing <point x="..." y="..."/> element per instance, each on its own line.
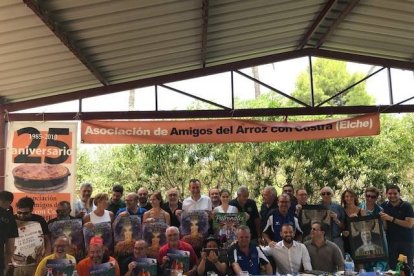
<point x="196" y="201"/>
<point x="289" y="255"/>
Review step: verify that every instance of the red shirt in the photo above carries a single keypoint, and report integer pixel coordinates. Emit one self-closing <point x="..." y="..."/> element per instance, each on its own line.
<point x="181" y="246"/>
<point x="85" y="266"/>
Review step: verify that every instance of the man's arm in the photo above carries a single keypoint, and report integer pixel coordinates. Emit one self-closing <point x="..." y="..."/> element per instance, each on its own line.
<point x="306" y="261"/>
<point x="408" y="222"/>
<point x="236" y="268"/>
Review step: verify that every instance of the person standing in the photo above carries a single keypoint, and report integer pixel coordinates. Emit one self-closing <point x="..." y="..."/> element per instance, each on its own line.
<point x="269" y="205"/>
<point x="214" y="195"/>
<point x="8" y="230"/>
<point x="325" y="255"/>
<point x="399" y="216"/>
<point x="116" y="201"/>
<point x="143" y="198"/>
<point x="84" y="204"/>
<point x="156" y="214"/>
<point x="196" y="201"/>
<point x="225" y="207"/>
<point x="302" y="198"/>
<point x="131" y="208"/>
<point x="337" y="214"/>
<point x="100" y="214"/>
<point x="62" y="212"/>
<point x="173" y="205"/>
<point x="244" y="204"/>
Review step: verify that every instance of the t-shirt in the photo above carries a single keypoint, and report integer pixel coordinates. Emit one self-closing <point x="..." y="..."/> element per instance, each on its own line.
<point x="251" y="208"/>
<point x="115" y="206"/>
<point x="39" y="219"/>
<point x="41" y="267"/>
<point x="8" y="230"/>
<point x="85" y="266"/>
<point x="251" y="262"/>
<point x="395" y="232"/>
<point x="174" y="219"/>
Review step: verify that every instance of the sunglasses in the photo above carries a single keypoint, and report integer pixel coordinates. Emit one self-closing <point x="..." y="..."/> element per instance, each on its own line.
<point x="371" y="196"/>
<point x="23" y="213"/>
<point x="327" y="193"/>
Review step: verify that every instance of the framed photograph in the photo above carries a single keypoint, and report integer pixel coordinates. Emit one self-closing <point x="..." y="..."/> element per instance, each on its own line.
<point x="367" y="239"/>
<point x="312" y="213"/>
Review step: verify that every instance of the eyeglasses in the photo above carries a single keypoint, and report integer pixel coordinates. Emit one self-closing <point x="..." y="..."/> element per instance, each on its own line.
<point x="326" y="194"/>
<point x="60" y="211"/>
<point x="371" y="196"/>
<point x="172" y="195"/>
<point x="23" y="213"/>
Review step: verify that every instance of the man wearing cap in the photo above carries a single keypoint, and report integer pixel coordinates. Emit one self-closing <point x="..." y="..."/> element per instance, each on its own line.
<point x="96" y="256"/>
<point x="60" y="248"/>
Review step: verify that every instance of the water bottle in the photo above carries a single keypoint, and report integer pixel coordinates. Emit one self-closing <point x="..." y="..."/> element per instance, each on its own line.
<point x="349" y="265"/>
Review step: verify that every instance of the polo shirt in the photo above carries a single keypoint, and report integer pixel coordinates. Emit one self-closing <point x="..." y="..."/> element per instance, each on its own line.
<point x="250" y="263"/>
<point x="326" y="258"/>
<point x="140" y="212"/>
<point x="276" y="221"/>
<point x="181" y="246"/>
<point x="289" y="260"/>
<point x="41" y="267"/>
<point x="8" y="230"/>
<point x="251" y="208"/>
<point x="395" y="232"/>
<point x="202" y="204"/>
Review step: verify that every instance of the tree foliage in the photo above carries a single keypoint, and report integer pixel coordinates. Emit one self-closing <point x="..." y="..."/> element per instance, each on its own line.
<point x="347" y="162"/>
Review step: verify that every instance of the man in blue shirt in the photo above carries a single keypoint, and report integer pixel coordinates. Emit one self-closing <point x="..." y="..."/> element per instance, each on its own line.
<point x="131" y="208"/>
<point x="399" y="216"/>
<point x="244" y="256"/>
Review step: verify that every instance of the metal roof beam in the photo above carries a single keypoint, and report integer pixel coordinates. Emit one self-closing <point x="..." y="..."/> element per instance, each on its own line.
<point x="237" y="113"/>
<point x="204" y="32"/>
<point x="46" y="17"/>
<point x="315" y="24"/>
<point x="344" y="13"/>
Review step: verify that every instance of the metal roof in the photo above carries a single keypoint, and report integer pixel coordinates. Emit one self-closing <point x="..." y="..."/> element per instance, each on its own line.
<point x="61" y="50"/>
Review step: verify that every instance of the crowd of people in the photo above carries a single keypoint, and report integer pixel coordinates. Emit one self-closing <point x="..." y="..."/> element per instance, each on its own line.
<point x="271" y="241"/>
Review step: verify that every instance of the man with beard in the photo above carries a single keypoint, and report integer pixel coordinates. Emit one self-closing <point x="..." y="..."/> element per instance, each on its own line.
<point x="399" y="217"/>
<point x="96" y="256"/>
<point x="290" y="256"/>
<point x="245" y="256"/>
<point x="143" y="198"/>
<point x="173" y="242"/>
<point x="214" y="195"/>
<point x="129" y="264"/>
<point x="59" y="252"/>
<point x="116" y="201"/>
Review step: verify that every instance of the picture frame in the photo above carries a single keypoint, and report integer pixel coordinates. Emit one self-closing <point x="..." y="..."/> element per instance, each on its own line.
<point x="367" y="239"/>
<point x="311" y="213"/>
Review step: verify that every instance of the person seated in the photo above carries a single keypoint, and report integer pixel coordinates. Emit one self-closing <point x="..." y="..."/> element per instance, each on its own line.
<point x="129" y="263"/>
<point x="60" y="248"/>
<point x="210" y="259"/>
<point x="96" y="256"/>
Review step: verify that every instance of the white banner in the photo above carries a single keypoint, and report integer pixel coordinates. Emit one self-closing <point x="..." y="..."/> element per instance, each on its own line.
<point x="40" y="163"/>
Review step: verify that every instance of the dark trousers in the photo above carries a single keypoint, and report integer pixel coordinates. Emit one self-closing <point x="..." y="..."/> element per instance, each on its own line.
<point x="396" y="248"/>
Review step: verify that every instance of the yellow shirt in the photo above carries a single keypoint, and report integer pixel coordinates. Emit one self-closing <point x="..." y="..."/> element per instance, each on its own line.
<point x="41" y="267"/>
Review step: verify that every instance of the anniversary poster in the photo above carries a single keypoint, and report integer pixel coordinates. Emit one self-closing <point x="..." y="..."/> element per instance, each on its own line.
<point x="29" y="246"/>
<point x="105" y="269"/>
<point x="225" y="225"/>
<point x="179" y="260"/>
<point x="127" y="230"/>
<point x="72" y="229"/>
<point x="146" y="267"/>
<point x="103" y="230"/>
<point x="154" y="235"/>
<point x="60" y="266"/>
<point x="194" y="228"/>
<point x="40" y="163"/>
